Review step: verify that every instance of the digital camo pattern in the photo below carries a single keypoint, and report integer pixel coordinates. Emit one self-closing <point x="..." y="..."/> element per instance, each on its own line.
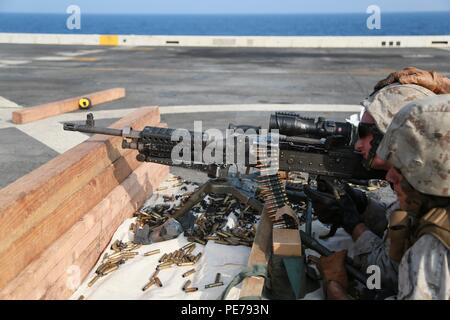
<point x="418" y="144"/>
<point x="384" y="104"/>
<point x="369" y="249"/>
<point x="424" y="272"/>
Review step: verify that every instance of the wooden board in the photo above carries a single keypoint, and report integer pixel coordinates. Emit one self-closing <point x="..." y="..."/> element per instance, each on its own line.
<point x="27" y="203"/>
<point x="53" y="274"/>
<point x="286" y="242"/>
<point x="260" y="254"/>
<point x="67" y="105"/>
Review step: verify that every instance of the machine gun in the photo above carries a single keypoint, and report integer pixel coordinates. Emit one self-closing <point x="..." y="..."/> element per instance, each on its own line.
<point x="313" y="146"/>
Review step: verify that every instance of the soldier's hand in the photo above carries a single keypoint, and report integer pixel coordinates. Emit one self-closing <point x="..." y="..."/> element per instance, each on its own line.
<point x="411" y="75"/>
<point x="332" y="269"/>
<point x="327" y="206"/>
<point x="351" y="217"/>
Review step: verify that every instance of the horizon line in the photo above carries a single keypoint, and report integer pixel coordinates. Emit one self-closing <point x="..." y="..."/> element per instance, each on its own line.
<point x="225" y="13"/>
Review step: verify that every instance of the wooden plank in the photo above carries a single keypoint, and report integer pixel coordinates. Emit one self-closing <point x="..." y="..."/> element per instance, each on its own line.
<point x="67" y="105"/>
<point x="260" y="254"/>
<point x="32" y="243"/>
<point x="147" y="181"/>
<point x="27" y="202"/>
<point x="81" y="246"/>
<point x="286" y="242"/>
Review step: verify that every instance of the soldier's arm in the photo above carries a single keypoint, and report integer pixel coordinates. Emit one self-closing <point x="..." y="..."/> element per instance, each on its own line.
<point x="375" y="217"/>
<point x="431" y="80"/>
<point x="369" y="249"/>
<point x="424" y="272"/>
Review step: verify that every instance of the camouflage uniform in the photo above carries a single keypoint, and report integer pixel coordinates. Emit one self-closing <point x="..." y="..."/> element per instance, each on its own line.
<point x="370" y="249"/>
<point x="417" y="143"/>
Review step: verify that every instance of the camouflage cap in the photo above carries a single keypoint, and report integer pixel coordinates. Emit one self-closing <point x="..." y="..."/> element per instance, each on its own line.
<point x="418" y="144"/>
<point x="385" y="103"/>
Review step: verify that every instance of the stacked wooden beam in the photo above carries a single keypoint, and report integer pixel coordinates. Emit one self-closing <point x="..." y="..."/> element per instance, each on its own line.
<point x="261" y="250"/>
<point x="56" y="221"/>
<point x="46" y="110"/>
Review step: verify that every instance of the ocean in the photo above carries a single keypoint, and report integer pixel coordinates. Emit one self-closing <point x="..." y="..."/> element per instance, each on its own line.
<point x="236" y="25"/>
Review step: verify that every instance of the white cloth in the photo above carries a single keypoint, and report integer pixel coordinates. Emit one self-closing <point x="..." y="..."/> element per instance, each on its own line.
<point x="127" y="282"/>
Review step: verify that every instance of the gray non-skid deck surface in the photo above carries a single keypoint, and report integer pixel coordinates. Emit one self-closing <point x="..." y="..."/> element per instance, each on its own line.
<point x="191" y="76"/>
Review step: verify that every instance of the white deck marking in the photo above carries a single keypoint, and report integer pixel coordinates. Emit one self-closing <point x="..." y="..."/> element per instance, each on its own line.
<point x="5" y="103"/>
<point x="80" y="52"/>
<point x="14" y="62"/>
<point x="53" y="58"/>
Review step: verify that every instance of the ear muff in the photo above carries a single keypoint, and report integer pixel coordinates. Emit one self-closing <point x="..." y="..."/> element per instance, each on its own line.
<point x="84" y="103"/>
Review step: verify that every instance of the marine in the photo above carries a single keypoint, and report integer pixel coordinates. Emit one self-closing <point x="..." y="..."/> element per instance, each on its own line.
<point x="417" y="148"/>
<point x="360" y="213"/>
<point x="390" y="95"/>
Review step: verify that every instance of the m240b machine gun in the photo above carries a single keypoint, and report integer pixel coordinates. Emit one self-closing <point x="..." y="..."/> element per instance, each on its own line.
<point x="313" y="146"/>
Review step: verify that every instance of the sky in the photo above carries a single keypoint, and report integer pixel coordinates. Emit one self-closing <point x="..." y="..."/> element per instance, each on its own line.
<point x="221" y="6"/>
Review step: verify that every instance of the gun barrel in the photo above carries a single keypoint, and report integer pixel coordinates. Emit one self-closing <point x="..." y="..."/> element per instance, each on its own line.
<point x="91" y="129"/>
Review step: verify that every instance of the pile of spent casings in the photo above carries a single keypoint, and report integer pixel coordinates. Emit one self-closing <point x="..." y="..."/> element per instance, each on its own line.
<point x="224" y="220"/>
<point x="122" y="251"/>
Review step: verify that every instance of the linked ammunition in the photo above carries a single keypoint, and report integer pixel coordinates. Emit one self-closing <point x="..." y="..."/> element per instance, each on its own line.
<point x="188" y="273"/>
<point x="213" y="285"/>
<point x="150" y="253"/>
